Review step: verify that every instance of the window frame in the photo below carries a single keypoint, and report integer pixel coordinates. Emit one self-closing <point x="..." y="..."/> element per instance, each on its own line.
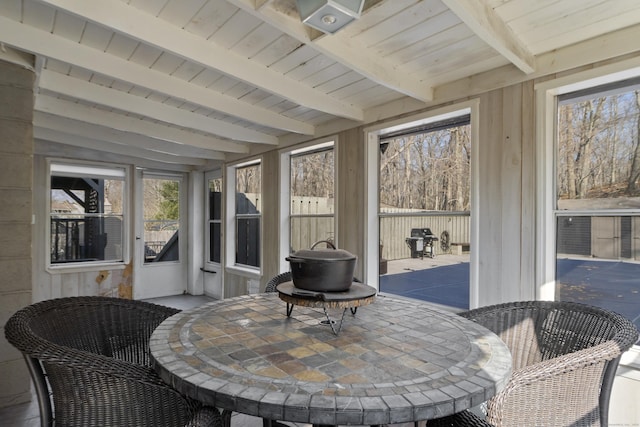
<point x="126" y="215"/>
<point x="208" y="221"/>
<point x="546" y="132"/>
<point x="285" y="193"/>
<point x="231" y="221"/>
<point x="311" y="149"/>
<point x="372" y="235"/>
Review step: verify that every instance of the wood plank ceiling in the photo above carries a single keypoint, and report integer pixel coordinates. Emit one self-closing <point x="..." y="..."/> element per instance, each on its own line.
<point x="186" y="84"/>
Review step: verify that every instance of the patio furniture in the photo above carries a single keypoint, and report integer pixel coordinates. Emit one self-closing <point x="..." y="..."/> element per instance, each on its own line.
<point x="565" y="357"/>
<point x="91" y="355"/>
<point x="397" y="361"/>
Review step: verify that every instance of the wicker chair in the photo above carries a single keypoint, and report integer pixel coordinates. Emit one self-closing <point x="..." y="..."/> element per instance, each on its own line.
<point x="91" y="355"/>
<point x="565" y="357"/>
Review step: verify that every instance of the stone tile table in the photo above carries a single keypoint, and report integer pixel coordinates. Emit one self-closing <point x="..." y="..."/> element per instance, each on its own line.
<point x="395" y="361"/>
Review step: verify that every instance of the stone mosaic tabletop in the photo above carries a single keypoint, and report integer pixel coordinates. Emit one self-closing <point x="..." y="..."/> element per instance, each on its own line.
<point x="394" y="361"/>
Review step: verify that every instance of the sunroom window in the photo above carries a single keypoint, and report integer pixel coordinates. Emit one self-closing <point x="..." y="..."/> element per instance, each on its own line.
<point x="312" y="196"/>
<point x="87" y="205"/>
<point x="248" y="206"/>
<point x="597" y="212"/>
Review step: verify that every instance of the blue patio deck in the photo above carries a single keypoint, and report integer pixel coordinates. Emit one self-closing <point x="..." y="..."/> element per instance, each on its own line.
<point x="614" y="285"/>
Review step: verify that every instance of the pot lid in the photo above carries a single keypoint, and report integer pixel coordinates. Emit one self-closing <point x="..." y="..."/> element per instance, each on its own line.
<point x="323" y="254"/>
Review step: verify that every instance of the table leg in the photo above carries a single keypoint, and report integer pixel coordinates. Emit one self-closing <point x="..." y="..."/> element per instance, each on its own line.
<point x="289" y="309"/>
<point x="331" y="322"/>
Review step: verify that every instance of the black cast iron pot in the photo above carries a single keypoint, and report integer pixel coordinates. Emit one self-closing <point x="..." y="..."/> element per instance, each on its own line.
<point x="322" y="270"/>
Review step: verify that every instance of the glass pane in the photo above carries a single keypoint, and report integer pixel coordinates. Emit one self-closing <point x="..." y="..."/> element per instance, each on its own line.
<point x="597" y="262"/>
<point x="215" y="198"/>
<point x="86" y="219"/>
<point x="307" y="230"/>
<point x="598" y="158"/>
<point x="248" y="187"/>
<point x="424" y="214"/>
<point x="214" y="241"/>
<point x="161" y="213"/>
<point x="248" y="241"/>
<point x="312" y="183"/>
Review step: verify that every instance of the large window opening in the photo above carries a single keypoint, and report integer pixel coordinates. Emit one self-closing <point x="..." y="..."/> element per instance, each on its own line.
<point x="87" y="205"/>
<point x="312" y="186"/>
<point x="248" y="207"/>
<point x="597" y="197"/>
<point x="424" y="211"/>
<point x="214" y="220"/>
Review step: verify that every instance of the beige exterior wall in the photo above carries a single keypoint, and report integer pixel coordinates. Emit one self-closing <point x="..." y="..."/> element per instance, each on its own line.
<point x="16" y="160"/>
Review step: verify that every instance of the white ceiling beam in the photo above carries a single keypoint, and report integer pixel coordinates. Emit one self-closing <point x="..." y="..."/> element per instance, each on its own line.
<point x="486" y="24"/>
<point x="51" y="148"/>
<point x="112" y="98"/>
<point x="345" y="50"/>
<point x="64" y="137"/>
<point x="47" y="45"/>
<point x="131" y="22"/>
<point x="83" y="113"/>
<point x="107" y="134"/>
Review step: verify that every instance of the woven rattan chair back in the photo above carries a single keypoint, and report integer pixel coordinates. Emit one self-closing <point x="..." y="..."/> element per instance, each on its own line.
<point x="565" y="357"/>
<point x="92" y="355"/>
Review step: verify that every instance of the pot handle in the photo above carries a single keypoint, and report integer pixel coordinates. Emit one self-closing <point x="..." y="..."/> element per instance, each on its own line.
<point x="323" y="241"/>
<point x="295" y="259"/>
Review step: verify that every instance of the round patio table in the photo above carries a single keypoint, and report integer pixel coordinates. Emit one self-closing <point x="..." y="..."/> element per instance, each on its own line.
<point x="396" y="361"/>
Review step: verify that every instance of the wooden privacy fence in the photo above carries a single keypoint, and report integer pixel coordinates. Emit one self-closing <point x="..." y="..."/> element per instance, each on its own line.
<point x="395" y="228"/>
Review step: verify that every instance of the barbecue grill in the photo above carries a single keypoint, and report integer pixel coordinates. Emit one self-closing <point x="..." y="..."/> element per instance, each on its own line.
<point x="421" y="243"/>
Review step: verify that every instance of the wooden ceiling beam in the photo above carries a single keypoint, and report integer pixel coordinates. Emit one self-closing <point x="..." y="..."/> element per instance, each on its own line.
<point x="138" y="25"/>
<point x="344" y="50"/>
<point x="47" y="45"/>
<point x="63" y="136"/>
<point x="105" y="133"/>
<point x="183" y="138"/>
<point x="112" y="98"/>
<point x="486" y="24"/>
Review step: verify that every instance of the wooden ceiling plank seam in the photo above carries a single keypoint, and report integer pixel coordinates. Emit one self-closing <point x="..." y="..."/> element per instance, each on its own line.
<point x="433" y="43"/>
<point x="380" y="12"/>
<point x="514" y="9"/>
<point x="418" y="33"/>
<point x="592" y="51"/>
<point x="487" y="25"/>
<point x="131" y="123"/>
<point x="565" y="32"/>
<point x="210" y="18"/>
<point x="104" y="133"/>
<point x="122" y="18"/>
<point x="68" y="26"/>
<point x="46" y="44"/>
<point x="38" y="15"/>
<point x="234" y="30"/>
<point x="276" y="51"/>
<point x="551" y="14"/>
<point x="181" y="12"/>
<point x="126" y="102"/>
<point x="413" y="16"/>
<point x="346" y="51"/>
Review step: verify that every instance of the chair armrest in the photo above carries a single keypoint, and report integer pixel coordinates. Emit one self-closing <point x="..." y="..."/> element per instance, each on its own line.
<point x="567" y="389"/>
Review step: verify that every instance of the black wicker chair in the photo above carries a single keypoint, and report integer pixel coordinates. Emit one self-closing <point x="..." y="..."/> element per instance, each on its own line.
<point x="565" y="357"/>
<point x="90" y="364"/>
